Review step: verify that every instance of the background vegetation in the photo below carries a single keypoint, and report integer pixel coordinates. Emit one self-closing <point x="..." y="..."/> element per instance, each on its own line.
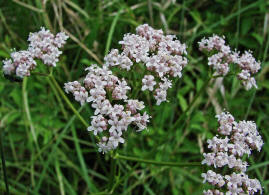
<point x="49" y="151"/>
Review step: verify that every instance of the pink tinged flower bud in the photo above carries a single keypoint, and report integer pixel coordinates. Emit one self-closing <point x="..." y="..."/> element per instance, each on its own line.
<point x="114" y="58"/>
<point x="60" y="39"/>
<point x="120" y="90"/>
<point x="135" y="47"/>
<point x="104" y="139"/>
<point x="213" y="192"/>
<point x="115" y="139"/>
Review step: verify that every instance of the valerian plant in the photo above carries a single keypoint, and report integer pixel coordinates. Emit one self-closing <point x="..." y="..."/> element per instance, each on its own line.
<point x="159" y="58"/>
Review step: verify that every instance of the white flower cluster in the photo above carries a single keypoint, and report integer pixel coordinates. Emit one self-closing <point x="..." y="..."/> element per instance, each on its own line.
<point x="238" y="138"/>
<point x="43" y="45"/>
<point x="21" y="63"/>
<point x="79" y="92"/>
<point x="223" y="56"/>
<point x="236" y="183"/>
<point x="114" y="112"/>
<point x="163" y="56"/>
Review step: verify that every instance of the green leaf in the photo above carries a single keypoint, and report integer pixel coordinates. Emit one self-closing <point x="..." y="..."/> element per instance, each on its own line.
<point x="182" y="102"/>
<point x="258" y="37"/>
<point x="16" y="96"/>
<point x="188" y="81"/>
<point x="196" y="16"/>
<point x="196" y="127"/>
<point x="199" y="84"/>
<point x="248" y="42"/>
<point x="246" y="25"/>
<point x="184" y="90"/>
<point x="4" y="54"/>
<point x="12" y="117"/>
<point x="86" y="61"/>
<point x="198" y="117"/>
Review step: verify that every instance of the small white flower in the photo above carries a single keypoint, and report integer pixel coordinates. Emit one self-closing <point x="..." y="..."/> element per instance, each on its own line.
<point x="148" y="82"/>
<point x="160" y="96"/>
<point x="134" y="105"/>
<point x="98" y="124"/>
<point x="115" y="139"/>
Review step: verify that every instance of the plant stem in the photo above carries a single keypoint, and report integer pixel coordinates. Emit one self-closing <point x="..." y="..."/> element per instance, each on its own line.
<point x="68" y="102"/>
<point x="40" y="74"/>
<point x="172" y="164"/>
<point x="192" y="103"/>
<point x="227" y="75"/>
<point x="56" y="93"/>
<point x="27" y="110"/>
<point x="3" y="163"/>
<point x="112" y="172"/>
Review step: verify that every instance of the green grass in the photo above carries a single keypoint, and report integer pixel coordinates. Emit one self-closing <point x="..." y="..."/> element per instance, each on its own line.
<point x="46" y="145"/>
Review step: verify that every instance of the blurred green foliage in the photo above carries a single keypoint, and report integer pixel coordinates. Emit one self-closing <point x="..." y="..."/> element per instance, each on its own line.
<point x="49" y="151"/>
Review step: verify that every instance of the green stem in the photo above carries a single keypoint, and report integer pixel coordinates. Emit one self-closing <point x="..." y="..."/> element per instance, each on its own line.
<point x="40" y="74"/>
<point x="27" y="110"/>
<point x="192" y="103"/>
<point x="172" y="164"/>
<point x="227" y="75"/>
<point x="112" y="172"/>
<point x="56" y="93"/>
<point x="68" y="102"/>
<point x="111" y="31"/>
<point x="3" y="163"/>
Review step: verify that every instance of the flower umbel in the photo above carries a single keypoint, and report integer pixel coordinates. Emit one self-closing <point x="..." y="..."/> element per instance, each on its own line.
<point x="43" y="45"/>
<point x="223" y="56"/>
<point x="114" y="112"/>
<point x="236" y="139"/>
<point x="162" y="55"/>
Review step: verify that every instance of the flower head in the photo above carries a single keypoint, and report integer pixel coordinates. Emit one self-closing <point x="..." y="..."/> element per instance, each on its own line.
<point x="239" y="138"/>
<point x="223" y="56"/>
<point x="43" y="45"/>
<point x="162" y="55"/>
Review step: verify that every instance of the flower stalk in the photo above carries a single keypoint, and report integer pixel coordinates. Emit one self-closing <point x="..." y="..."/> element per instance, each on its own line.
<point x="153" y="162"/>
<point x="67" y="101"/>
<point x="3" y="161"/>
<point x="199" y="93"/>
